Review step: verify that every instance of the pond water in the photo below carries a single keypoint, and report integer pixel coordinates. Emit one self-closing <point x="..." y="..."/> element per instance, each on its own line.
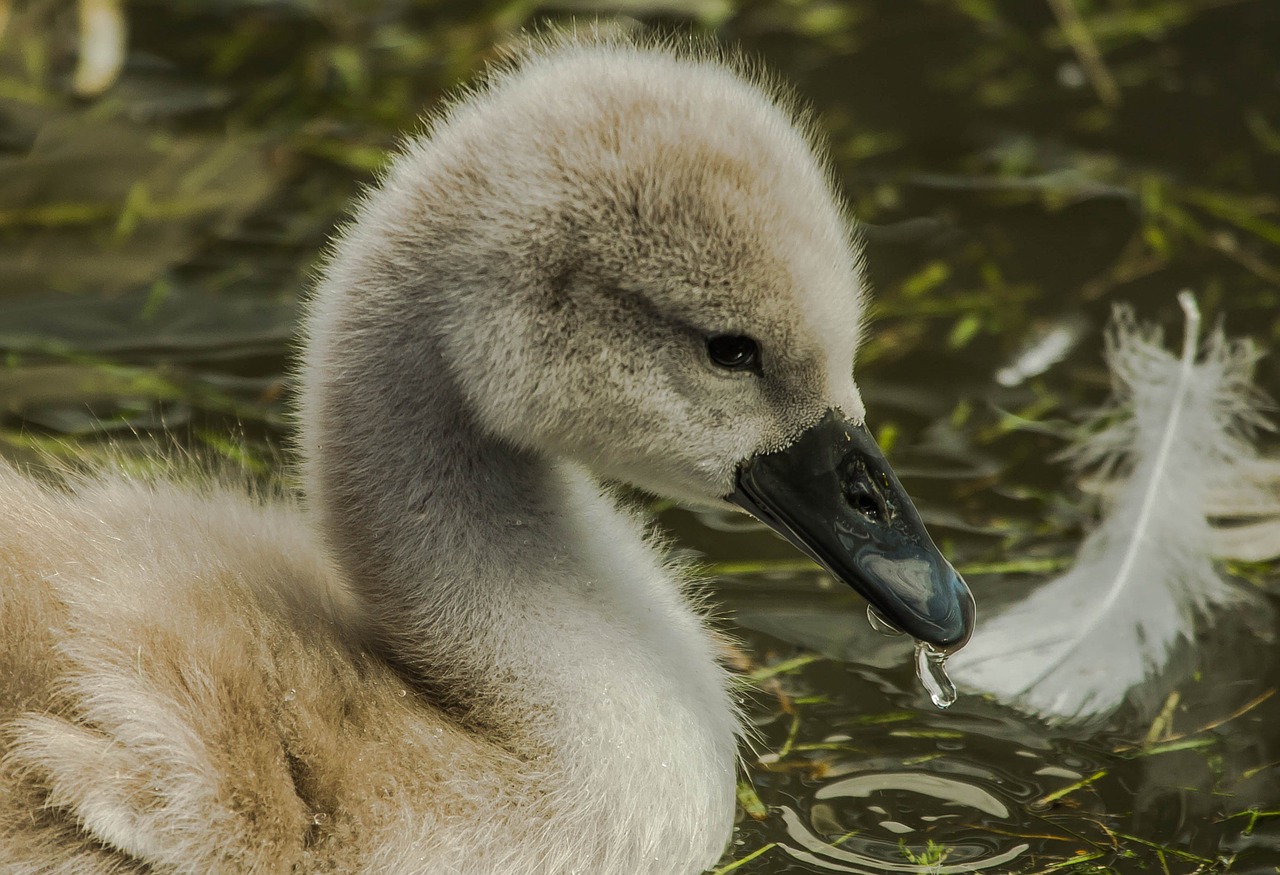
<point x="1023" y="166"/>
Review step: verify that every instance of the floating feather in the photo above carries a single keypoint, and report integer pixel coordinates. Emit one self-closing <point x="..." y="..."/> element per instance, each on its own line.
<point x="1246" y="513"/>
<point x="1172" y="438"/>
<point x="1047" y="347"/>
<point x="1255" y="541"/>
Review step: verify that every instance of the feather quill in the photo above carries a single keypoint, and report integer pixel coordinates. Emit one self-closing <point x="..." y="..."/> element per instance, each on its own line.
<point x="1173" y="435"/>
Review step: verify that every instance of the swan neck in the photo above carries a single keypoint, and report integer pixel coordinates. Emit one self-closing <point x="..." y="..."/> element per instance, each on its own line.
<point x="499" y="581"/>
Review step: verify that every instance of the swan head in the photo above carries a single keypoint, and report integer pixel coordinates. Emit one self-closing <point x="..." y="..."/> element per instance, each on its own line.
<point x="632" y="259"/>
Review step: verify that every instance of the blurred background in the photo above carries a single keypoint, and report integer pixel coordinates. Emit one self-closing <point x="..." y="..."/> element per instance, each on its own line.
<point x="171" y="169"/>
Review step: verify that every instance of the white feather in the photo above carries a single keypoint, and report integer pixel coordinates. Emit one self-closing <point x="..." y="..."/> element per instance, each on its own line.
<point x="1173" y="436"/>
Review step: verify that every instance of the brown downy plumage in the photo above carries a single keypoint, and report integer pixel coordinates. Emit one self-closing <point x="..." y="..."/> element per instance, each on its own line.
<point x="458" y="656"/>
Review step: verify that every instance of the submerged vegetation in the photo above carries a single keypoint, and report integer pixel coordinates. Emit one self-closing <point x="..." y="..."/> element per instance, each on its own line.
<point x="1020" y="165"/>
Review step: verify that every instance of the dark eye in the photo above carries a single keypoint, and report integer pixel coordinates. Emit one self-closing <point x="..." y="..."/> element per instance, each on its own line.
<point x="734" y="352"/>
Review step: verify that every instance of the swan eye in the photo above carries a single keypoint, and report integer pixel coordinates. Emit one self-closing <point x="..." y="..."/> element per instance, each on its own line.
<point x="734" y="352"/>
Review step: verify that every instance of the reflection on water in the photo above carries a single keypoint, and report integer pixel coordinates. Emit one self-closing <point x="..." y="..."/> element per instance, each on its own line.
<point x="876" y="856"/>
<point x="872" y="778"/>
<point x="862" y="774"/>
<point x="929" y="784"/>
<point x="887" y="856"/>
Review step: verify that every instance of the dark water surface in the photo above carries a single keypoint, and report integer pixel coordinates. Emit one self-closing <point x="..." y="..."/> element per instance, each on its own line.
<point x="1024" y="165"/>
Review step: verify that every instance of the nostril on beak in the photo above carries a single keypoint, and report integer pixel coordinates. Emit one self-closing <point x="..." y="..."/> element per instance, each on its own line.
<point x="866" y="502"/>
<point x="860" y="491"/>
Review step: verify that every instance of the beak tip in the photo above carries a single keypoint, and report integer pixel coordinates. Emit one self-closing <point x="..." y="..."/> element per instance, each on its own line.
<point x="957" y="627"/>
<point x="924" y="596"/>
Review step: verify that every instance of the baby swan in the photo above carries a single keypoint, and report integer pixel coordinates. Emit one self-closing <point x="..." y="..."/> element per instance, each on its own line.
<point x="611" y="262"/>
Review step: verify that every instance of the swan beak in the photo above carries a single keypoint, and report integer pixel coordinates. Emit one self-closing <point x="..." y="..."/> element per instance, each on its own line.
<point x="833" y="495"/>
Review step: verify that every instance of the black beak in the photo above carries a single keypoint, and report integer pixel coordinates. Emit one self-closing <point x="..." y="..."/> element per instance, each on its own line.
<point x="833" y="495"/>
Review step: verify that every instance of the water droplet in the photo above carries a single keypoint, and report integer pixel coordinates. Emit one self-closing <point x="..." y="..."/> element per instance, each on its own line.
<point x="931" y="668"/>
<point x="320" y="818"/>
<point x="402" y="693"/>
<point x="880" y="624"/>
<point x="290" y="694"/>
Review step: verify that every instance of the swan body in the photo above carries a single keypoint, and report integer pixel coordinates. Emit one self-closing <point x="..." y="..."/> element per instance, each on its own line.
<point x="459" y="655"/>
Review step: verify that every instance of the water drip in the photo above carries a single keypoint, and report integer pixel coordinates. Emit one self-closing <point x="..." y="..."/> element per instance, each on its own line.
<point x="880" y="624"/>
<point x="931" y="668"/>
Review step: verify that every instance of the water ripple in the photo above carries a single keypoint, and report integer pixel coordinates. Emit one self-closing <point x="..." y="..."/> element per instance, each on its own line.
<point x="856" y="851"/>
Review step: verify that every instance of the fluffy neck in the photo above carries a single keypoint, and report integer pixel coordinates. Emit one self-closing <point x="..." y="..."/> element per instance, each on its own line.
<point x="504" y="583"/>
